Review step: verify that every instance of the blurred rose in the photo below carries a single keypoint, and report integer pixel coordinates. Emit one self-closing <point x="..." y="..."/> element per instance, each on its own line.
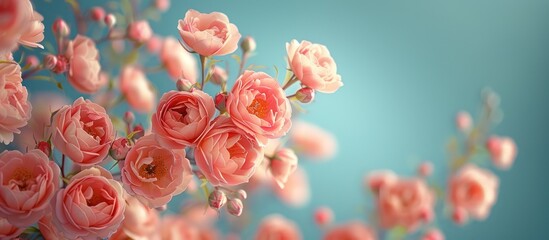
<point x="136" y="89"/>
<point x="179" y="228"/>
<point x="354" y="230"/>
<point x="83" y="131"/>
<point x="503" y="151"/>
<point x="8" y="231"/>
<point x="463" y="121"/>
<point x="219" y="75"/>
<point x="313" y="65"/>
<point x="378" y="179"/>
<point x="276" y="227"/>
<point x="323" y="216"/>
<point x="282" y="165"/>
<point x="154" y="174"/>
<point x="226" y="155"/>
<point x="18" y="18"/>
<point x="473" y="191"/>
<point x="209" y="34"/>
<point x="29" y="182"/>
<point x="34" y="32"/>
<point x="91" y="206"/>
<point x="296" y="191"/>
<point x="139" y="31"/>
<point x="15" y="110"/>
<point x="162" y="5"/>
<point x="84" y="65"/>
<point x="433" y="234"/>
<point x="198" y="215"/>
<point x="313" y="141"/>
<point x="140" y="222"/>
<point x="258" y="105"/>
<point x="178" y="62"/>
<point x="97" y="13"/>
<point x="181" y="117"/>
<point x="154" y="44"/>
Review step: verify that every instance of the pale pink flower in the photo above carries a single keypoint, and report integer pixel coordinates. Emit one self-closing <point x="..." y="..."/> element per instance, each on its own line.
<point x="209" y="34"/>
<point x="425" y="169"/>
<point x="91" y="206"/>
<point x="433" y="234"/>
<point x="276" y="227"/>
<point x="140" y="222"/>
<point x="84" y="66"/>
<point x="464" y="121"/>
<point x="182" y="117"/>
<point x="154" y="44"/>
<point x="15" y="110"/>
<point x="180" y="228"/>
<point x="503" y="151"/>
<point x="48" y="230"/>
<point x="97" y="13"/>
<point x="34" y="32"/>
<point x="226" y="155"/>
<point x="219" y="75"/>
<point x="323" y="216"/>
<point x="139" y="31"/>
<point x="378" y="179"/>
<point x="313" y="141"/>
<point x="154" y="174"/>
<point x="313" y="65"/>
<point x="29" y="182"/>
<point x="17" y="16"/>
<point x="83" y="131"/>
<point x="137" y="90"/>
<point x="258" y="105"/>
<point x="194" y="212"/>
<point x="282" y="165"/>
<point x="354" y="230"/>
<point x="473" y="191"/>
<point x="8" y="231"/>
<point x="296" y="191"/>
<point x="178" y="62"/>
<point x="162" y="5"/>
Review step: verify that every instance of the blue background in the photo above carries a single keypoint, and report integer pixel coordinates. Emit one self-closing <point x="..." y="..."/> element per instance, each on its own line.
<point x="408" y="67"/>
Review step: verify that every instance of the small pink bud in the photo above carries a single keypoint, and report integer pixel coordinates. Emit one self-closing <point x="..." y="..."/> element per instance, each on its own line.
<point x="129" y="117"/>
<point x="140" y="131"/>
<point x="154" y="44"/>
<point x="323" y="216"/>
<point x="241" y="194"/>
<point x="61" y="64"/>
<point x="45" y="147"/>
<point x="60" y="28"/>
<point x="503" y="151"/>
<point x="219" y="75"/>
<point x="427" y="215"/>
<point x="425" y="169"/>
<point x="184" y="85"/>
<point x="463" y="121"/>
<point x="139" y="31"/>
<point x="50" y="61"/>
<point x="110" y="20"/>
<point x="459" y="216"/>
<point x="235" y="206"/>
<point x="32" y="61"/>
<point x="97" y="13"/>
<point x="305" y="95"/>
<point x="162" y="5"/>
<point x="433" y="234"/>
<point x="221" y="101"/>
<point x="217" y="199"/>
<point x="120" y="148"/>
<point x="248" y="44"/>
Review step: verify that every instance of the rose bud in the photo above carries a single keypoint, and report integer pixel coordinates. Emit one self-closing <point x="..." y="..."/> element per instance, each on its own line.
<point x="162" y="5"/>
<point x="97" y="13"/>
<point x="60" y="28"/>
<point x="323" y="216"/>
<point x="45" y="147"/>
<point x="62" y="65"/>
<point x="305" y="95"/>
<point x="235" y="206"/>
<point x="463" y="121"/>
<point x="140" y="131"/>
<point x="248" y="44"/>
<point x="139" y="31"/>
<point x="283" y="165"/>
<point x="221" y="101"/>
<point x="219" y="75"/>
<point x="120" y="148"/>
<point x="50" y="61"/>
<point x="425" y="169"/>
<point x="241" y="194"/>
<point x="32" y="61"/>
<point x="110" y="20"/>
<point x="503" y="151"/>
<point x="129" y="117"/>
<point x="217" y="199"/>
<point x="184" y="85"/>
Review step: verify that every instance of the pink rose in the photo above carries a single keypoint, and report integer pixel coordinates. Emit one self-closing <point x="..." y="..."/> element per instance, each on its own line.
<point x="473" y="191"/>
<point x="313" y="141"/>
<point x="296" y="192"/>
<point x="503" y="151"/>
<point x="154" y="44"/>
<point x="17" y="18"/>
<point x="8" y="231"/>
<point x="276" y="227"/>
<point x="162" y="5"/>
<point x="153" y="174"/>
<point x="136" y="89"/>
<point x="323" y="216"/>
<point x="139" y="31"/>
<point x="140" y="221"/>
<point x="84" y="66"/>
<point x="258" y="105"/>
<point x="209" y="34"/>
<point x="48" y="230"/>
<point x="219" y="75"/>
<point x="91" y="206"/>
<point x="313" y="65"/>
<point x="179" y="228"/>
<point x="226" y="155"/>
<point x="182" y="117"/>
<point x="15" y="110"/>
<point x="29" y="182"/>
<point x="34" y="32"/>
<point x="178" y="62"/>
<point x="378" y="179"/>
<point x="282" y="165"/>
<point x="433" y="234"/>
<point x="83" y="131"/>
<point x="354" y="230"/>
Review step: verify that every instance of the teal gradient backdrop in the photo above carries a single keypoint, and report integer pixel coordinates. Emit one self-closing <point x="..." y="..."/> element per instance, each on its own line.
<point x="408" y="67"/>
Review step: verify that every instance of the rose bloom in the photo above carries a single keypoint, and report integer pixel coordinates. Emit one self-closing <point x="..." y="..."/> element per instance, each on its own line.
<point x="84" y="66"/>
<point x="378" y="179"/>
<point x="34" y="32"/>
<point x="354" y="230"/>
<point x="83" y="131"/>
<point x="283" y="164"/>
<point x="91" y="206"/>
<point x="433" y="234"/>
<point x="29" y="182"/>
<point x="136" y="89"/>
<point x="296" y="192"/>
<point x="178" y="62"/>
<point x="313" y="141"/>
<point x="20" y="23"/>
<point x="258" y="105"/>
<point x="175" y="227"/>
<point x="276" y="227"/>
<point x="15" y="110"/>
<point x="473" y="191"/>
<point x="182" y="117"/>
<point x="226" y="155"/>
<point x="139" y="31"/>
<point x="209" y="34"/>
<point x="313" y="65"/>
<point x="154" y="44"/>
<point x="153" y="174"/>
<point x="140" y="222"/>
<point x="503" y="151"/>
<point x="8" y="231"/>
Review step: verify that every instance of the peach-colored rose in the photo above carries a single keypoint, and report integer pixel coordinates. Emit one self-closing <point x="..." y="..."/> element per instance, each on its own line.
<point x="503" y="151"/>
<point x="139" y="31"/>
<point x="91" y="206"/>
<point x="296" y="191"/>
<point x="313" y="65"/>
<point x="34" y="32"/>
<point x="179" y="228"/>
<point x="136" y="89"/>
<point x="226" y="155"/>
<point x="378" y="179"/>
<point x="83" y="131"/>
<point x="282" y="165"/>
<point x="354" y="230"/>
<point x="473" y="191"/>
<point x="48" y="230"/>
<point x="8" y="231"/>
<point x="16" y="18"/>
<point x="276" y="227"/>
<point x="258" y="105"/>
<point x="209" y="34"/>
<point x="83" y="59"/>
<point x="182" y="117"/>
<point x="313" y="141"/>
<point x="15" y="110"/>
<point x="178" y="62"/>
<point x="140" y="222"/>
<point x="29" y="182"/>
<point x="194" y="212"/>
<point x="154" y="174"/>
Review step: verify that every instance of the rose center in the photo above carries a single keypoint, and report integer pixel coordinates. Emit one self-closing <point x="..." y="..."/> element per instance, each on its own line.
<point x="95" y="199"/>
<point x="180" y="113"/>
<point x="259" y="107"/>
<point x="236" y="151"/>
<point x="156" y="169"/>
<point x="22" y="178"/>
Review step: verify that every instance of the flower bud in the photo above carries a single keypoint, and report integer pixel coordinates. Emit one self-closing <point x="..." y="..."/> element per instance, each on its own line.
<point x="217" y="199"/>
<point x="221" y="101"/>
<point x="323" y="216"/>
<point x="283" y="165"/>
<point x="184" y="85"/>
<point x="60" y="28"/>
<point x="140" y="131"/>
<point x="139" y="31"/>
<point x="503" y="151"/>
<point x="50" y="61"/>
<point x="463" y="121"/>
<point x="61" y="65"/>
<point x="459" y="216"/>
<point x="235" y="206"/>
<point x="97" y="14"/>
<point x="248" y="44"/>
<point x="120" y="148"/>
<point x="219" y="75"/>
<point x="305" y="95"/>
<point x="32" y="61"/>
<point x="162" y="5"/>
<point x="110" y="20"/>
<point x="45" y="147"/>
<point x="241" y="194"/>
<point x="425" y="169"/>
<point x="129" y="117"/>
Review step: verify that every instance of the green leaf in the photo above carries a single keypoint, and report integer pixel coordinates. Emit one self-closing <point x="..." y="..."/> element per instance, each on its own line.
<point x="73" y="3"/>
<point x="59" y="85"/>
<point x="276" y="71"/>
<point x="42" y="78"/>
<point x="132" y="57"/>
<point x="132" y="134"/>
